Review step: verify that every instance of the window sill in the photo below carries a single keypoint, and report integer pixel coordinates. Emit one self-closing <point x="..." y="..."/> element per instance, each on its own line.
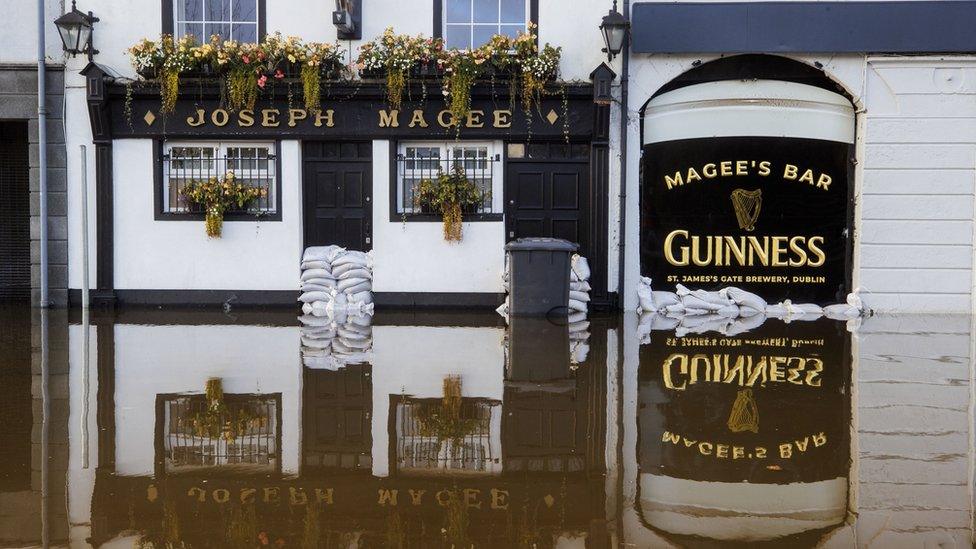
<point x="228" y="217"/>
<point x="438" y="218"/>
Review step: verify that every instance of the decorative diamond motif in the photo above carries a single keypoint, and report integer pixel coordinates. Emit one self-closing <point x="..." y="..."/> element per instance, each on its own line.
<point x="552" y="116"/>
<point x="149" y="118"/>
<point x="549" y="500"/>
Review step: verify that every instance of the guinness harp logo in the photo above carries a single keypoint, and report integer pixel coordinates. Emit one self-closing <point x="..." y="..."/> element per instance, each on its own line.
<point x="747" y="205"/>
<point x="744" y="415"/>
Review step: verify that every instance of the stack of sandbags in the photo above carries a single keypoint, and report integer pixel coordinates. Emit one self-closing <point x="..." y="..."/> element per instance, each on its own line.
<point x="579" y="284"/>
<point x="334" y="342"/>
<point x="336" y="280"/>
<point x="579" y="338"/>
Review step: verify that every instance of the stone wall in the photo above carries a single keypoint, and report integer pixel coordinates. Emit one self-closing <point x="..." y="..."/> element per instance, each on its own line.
<point x="18" y="101"/>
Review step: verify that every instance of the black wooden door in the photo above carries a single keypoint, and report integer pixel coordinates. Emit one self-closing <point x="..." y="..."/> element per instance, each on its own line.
<point x="337" y="410"/>
<point x="15" y="263"/>
<point x="338" y="189"/>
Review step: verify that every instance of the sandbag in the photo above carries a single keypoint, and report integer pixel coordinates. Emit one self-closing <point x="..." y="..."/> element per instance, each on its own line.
<point x="358" y="272"/>
<point x="580" y="286"/>
<point x="664" y="300"/>
<point x="362" y="297"/>
<point x="316" y="264"/>
<point x="351" y="257"/>
<point x="321" y="253"/>
<point x="580" y="266"/>
<point x="355" y="285"/>
<point x="316" y="287"/>
<point x="311" y="297"/>
<point x="743" y="298"/>
<point x="316" y="273"/>
<point x="579" y="296"/>
<point x="841" y="311"/>
<point x="575" y="305"/>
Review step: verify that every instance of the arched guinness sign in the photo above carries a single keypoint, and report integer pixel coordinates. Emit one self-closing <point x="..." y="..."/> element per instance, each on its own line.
<point x="747" y="183"/>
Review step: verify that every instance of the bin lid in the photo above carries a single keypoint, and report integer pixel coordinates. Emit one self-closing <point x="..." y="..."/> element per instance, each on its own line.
<point x="541" y="244"/>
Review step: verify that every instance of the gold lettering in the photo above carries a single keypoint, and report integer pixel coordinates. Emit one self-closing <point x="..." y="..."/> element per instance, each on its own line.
<point x="741" y="167"/>
<point x="201" y="493"/>
<point x="695" y="249"/>
<point x="821" y="257"/>
<point x="823" y="182"/>
<point x="387" y="497"/>
<point x="199" y="121"/>
<point x="738" y="452"/>
<point x="807" y="177"/>
<point x="819" y="440"/>
<point x="760" y="452"/>
<point x="786" y="451"/>
<point x="471" y="498"/>
<point x="702" y="448"/>
<point x="709" y="171"/>
<point x="389" y="119"/>
<point x="693" y="175"/>
<point x="668" y="253"/>
<point x="326" y="115"/>
<point x="502" y="119"/>
<point x="670" y="437"/>
<point x="667" y="371"/>
<point x="247" y="495"/>
<point x="449" y="122"/>
<point x="297" y="496"/>
<point x="271" y="495"/>
<point x="802" y="445"/>
<point x="269" y="118"/>
<point x="758" y="249"/>
<point x="726" y="168"/>
<point x="245" y="118"/>
<point x="416" y="496"/>
<point x="801" y="254"/>
<point x="764" y="167"/>
<point x="221" y="495"/>
<point x="789" y="172"/>
<point x="474" y="119"/>
<point x="498" y="499"/>
<point x="721" y="450"/>
<point x="779" y="250"/>
<point x="219" y="117"/>
<point x="418" y="119"/>
<point x="294" y="115"/>
<point x="323" y="496"/>
<point x="447" y="497"/>
<point x="677" y="181"/>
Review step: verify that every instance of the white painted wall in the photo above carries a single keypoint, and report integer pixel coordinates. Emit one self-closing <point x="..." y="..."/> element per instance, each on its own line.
<point x="414" y="360"/>
<point x="152" y="360"/>
<point x="251" y="255"/>
<point x="414" y="257"/>
<point x="18" y="41"/>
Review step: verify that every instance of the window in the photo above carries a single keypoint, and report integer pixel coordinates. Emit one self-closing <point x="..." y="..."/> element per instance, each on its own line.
<point x="231" y="19"/>
<point x="184" y="162"/>
<point x="417" y="161"/>
<point x="470" y="23"/>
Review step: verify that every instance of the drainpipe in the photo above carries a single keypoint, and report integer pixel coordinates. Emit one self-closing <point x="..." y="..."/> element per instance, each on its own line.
<point x="42" y="146"/>
<point x="624" y="119"/>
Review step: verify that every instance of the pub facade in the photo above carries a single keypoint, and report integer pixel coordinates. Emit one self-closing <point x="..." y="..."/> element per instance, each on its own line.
<point x="348" y="168"/>
<point x="767" y="159"/>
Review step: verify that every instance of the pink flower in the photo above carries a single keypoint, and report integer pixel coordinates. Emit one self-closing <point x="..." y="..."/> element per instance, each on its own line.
<point x="278" y="74"/>
<point x="246" y="59"/>
<point x="262" y="80"/>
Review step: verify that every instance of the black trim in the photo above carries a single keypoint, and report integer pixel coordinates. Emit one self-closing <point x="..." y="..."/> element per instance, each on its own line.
<point x="104" y="227"/>
<point x="160" y="215"/>
<point x="444" y="300"/>
<point x="189" y="298"/>
<point x="168" y="18"/>
<point x="438" y="30"/>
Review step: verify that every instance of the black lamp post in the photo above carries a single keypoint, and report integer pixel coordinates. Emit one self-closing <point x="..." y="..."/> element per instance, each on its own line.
<point x="614" y="28"/>
<point x="75" y="28"/>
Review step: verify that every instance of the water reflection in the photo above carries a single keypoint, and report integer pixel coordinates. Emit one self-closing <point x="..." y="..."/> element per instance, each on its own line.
<point x="204" y="429"/>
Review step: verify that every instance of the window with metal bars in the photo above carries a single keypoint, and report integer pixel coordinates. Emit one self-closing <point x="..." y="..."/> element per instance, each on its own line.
<point x="420" y="161"/>
<point x="427" y="442"/>
<point x="252" y="163"/>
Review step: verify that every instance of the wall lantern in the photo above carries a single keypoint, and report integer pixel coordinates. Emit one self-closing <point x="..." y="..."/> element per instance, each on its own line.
<point x="75" y="29"/>
<point x="614" y="28"/>
<point x="348" y="20"/>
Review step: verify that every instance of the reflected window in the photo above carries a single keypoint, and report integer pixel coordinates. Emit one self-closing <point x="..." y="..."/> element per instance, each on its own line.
<point x="435" y="437"/>
<point x="241" y="433"/>
<point x="253" y="163"/>
<point x="229" y="19"/>
<point x="471" y="23"/>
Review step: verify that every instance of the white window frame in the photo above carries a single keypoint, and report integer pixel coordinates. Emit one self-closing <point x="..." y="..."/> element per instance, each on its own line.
<point x="494" y="150"/>
<point x="178" y="24"/>
<point x="472" y="25"/>
<point x="221" y="148"/>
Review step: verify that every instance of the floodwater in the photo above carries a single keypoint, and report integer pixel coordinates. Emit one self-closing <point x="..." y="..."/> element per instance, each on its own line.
<point x="437" y="429"/>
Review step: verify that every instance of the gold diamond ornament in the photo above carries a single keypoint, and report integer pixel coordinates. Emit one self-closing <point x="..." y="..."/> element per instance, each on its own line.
<point x="149" y="118"/>
<point x="552" y="116"/>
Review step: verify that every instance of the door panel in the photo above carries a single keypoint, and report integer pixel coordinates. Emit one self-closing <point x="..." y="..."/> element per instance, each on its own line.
<point x="338" y="194"/>
<point x="548" y="199"/>
<point x="336" y="425"/>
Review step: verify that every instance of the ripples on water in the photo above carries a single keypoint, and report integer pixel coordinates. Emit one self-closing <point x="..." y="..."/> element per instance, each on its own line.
<point x="251" y="429"/>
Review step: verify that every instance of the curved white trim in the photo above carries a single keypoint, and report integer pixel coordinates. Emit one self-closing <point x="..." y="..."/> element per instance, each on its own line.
<point x="741" y="511"/>
<point x="752" y="108"/>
